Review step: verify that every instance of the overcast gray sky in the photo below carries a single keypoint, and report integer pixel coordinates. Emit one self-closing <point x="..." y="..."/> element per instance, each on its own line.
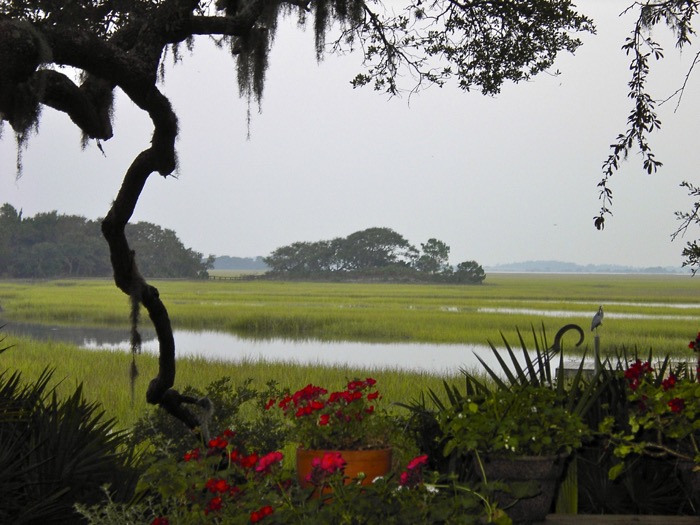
<point x="499" y="179"/>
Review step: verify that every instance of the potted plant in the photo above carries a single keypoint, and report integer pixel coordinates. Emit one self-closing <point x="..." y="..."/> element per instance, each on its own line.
<point x="224" y="483"/>
<point x="345" y="426"/>
<point x="520" y="436"/>
<point x="661" y="420"/>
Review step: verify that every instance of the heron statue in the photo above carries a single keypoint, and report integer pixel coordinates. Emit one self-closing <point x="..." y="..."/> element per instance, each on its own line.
<point x="597" y="319"/>
<point x="595" y="323"/>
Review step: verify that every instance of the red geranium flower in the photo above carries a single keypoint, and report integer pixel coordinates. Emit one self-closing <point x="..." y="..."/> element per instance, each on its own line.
<point x="214" y="505"/>
<point x="335" y="420"/>
<point x="413" y="474"/>
<point x="676" y="404"/>
<point x="218" y="442"/>
<point x="331" y="462"/>
<point x="669" y="382"/>
<point x="261" y="513"/>
<point x="265" y="463"/>
<point x="215" y="485"/>
<point x="192" y="455"/>
<point x="248" y="461"/>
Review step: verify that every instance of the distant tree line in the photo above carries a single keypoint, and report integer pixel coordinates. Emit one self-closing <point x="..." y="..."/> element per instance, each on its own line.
<point x="50" y="245"/>
<point x="374" y="253"/>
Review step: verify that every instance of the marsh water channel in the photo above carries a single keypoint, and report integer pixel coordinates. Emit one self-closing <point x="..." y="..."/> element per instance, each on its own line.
<point x="431" y="358"/>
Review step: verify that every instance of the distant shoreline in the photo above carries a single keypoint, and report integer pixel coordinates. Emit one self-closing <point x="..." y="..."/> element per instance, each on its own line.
<point x="256" y="264"/>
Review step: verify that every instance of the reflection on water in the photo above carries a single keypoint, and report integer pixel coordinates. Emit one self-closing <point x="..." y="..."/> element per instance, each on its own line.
<point x="434" y="358"/>
<point x="609" y="315"/>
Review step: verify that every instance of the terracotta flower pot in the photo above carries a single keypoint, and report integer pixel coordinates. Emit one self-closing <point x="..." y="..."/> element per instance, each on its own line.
<point x="371" y="463"/>
<point x="545" y="471"/>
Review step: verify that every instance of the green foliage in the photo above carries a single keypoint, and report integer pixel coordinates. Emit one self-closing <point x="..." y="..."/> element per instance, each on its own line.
<point x="435" y="258"/>
<point x="371" y="254"/>
<point x="432" y="414"/>
<point x="236" y="407"/>
<point x="55" y="452"/>
<point x="525" y="421"/>
<point x="50" y="245"/>
<point x="661" y="416"/>
<point x="469" y="272"/>
<point x="363" y="250"/>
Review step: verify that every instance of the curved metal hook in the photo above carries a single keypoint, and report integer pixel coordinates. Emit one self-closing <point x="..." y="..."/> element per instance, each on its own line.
<point x="556" y="347"/>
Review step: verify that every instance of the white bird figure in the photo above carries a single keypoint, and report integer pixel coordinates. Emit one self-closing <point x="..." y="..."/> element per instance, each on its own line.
<point x="597" y="319"/>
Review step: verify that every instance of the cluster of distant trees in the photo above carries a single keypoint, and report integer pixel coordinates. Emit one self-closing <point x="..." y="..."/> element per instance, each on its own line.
<point x="372" y="253"/>
<point x="51" y="245"/>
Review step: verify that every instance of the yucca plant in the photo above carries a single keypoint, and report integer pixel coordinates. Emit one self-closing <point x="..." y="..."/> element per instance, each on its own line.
<point x="56" y="452"/>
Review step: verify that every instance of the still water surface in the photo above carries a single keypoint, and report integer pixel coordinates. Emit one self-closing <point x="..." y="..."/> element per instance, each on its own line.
<point x="433" y="358"/>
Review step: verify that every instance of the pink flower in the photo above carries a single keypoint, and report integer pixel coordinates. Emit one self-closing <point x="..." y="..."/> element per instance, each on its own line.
<point x="418" y="462"/>
<point x="267" y="461"/>
<point x="413" y="474"/>
<point x="325" y="466"/>
<point x="331" y="462"/>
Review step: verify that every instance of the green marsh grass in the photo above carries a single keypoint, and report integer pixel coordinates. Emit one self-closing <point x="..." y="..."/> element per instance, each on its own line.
<point x="341" y="311"/>
<point x="105" y="375"/>
<point x="391" y="312"/>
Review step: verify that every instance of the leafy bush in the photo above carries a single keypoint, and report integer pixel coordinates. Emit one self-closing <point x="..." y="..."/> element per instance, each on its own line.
<point x="528" y="421"/>
<point x="238" y="408"/>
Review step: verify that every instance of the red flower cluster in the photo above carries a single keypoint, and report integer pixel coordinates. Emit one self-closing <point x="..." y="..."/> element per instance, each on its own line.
<point x="192" y="455"/>
<point x="325" y="466"/>
<point x="676" y="405"/>
<point x="160" y="520"/>
<point x="216" y="485"/>
<point x="669" y="382"/>
<point x="216" y="503"/>
<point x="220" y="489"/>
<point x="261" y="513"/>
<point x="333" y="419"/>
<point x="413" y="475"/>
<point x="266" y="462"/>
<point x="636" y="372"/>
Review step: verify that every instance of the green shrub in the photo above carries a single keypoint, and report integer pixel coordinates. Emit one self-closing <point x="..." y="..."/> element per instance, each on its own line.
<point x="235" y="408"/>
